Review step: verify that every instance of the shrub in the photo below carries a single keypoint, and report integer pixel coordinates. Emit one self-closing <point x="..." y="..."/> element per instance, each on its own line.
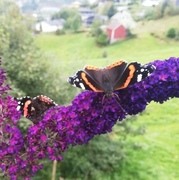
<point x="72" y="18"/>
<point x="149" y="14"/>
<point x="171" y="33"/>
<point x="104" y="54"/>
<point x="130" y="34"/>
<point x="102" y="39"/>
<point x="165" y="8"/>
<point x="95" y="28"/>
<point x="60" y="32"/>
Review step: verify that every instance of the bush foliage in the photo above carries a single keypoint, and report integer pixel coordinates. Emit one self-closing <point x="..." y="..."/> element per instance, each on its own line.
<point x="72" y="18"/>
<point x="171" y="33"/>
<point x="101" y="37"/>
<point x="165" y="8"/>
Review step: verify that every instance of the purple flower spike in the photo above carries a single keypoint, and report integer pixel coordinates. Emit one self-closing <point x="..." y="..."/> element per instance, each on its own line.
<point x="89" y="114"/>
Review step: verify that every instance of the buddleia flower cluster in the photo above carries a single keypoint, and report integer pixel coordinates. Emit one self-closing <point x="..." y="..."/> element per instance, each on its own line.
<point x="88" y="115"/>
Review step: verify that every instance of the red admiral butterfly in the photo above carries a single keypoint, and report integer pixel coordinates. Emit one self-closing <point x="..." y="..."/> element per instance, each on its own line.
<point x="34" y="108"/>
<point x="116" y="76"/>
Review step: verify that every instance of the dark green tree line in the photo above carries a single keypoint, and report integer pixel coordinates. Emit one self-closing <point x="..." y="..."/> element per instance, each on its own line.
<point x="72" y="18"/>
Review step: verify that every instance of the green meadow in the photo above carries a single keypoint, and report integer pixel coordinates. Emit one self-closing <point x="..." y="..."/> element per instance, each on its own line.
<point x="158" y="159"/>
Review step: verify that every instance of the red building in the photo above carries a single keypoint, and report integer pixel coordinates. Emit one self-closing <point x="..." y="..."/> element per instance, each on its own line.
<point x="115" y="32"/>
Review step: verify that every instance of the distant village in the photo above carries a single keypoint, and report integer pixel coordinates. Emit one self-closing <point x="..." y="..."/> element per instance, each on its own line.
<point x="116" y="26"/>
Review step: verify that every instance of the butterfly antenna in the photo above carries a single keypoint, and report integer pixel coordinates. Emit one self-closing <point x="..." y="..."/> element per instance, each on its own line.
<point x="103" y="103"/>
<point x="103" y="99"/>
<point x="118" y="102"/>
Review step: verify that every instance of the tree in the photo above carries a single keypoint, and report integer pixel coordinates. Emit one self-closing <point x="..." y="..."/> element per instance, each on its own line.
<point x="102" y="39"/>
<point x="108" y="9"/>
<point x="111" y="11"/>
<point x="64" y="14"/>
<point x="29" y="6"/>
<point x="95" y="28"/>
<point x="73" y="23"/>
<point x="100" y="36"/>
<point x="72" y="17"/>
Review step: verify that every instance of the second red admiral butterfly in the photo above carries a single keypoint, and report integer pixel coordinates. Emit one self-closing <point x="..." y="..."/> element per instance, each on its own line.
<point x="34" y="108"/>
<point x="116" y="76"/>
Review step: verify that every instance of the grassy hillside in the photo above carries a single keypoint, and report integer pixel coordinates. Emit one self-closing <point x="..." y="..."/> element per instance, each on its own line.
<point x="80" y="47"/>
<point x="159" y="26"/>
<point x="159" y="157"/>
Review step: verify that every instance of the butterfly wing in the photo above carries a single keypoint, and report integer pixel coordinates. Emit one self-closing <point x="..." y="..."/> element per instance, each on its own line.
<point x="24" y="105"/>
<point x="135" y="72"/>
<point x="34" y="108"/>
<point x="44" y="99"/>
<point x="97" y="79"/>
<point x="87" y="81"/>
<point x="116" y="76"/>
<point x="115" y="72"/>
<point x="40" y="104"/>
<point x="142" y="71"/>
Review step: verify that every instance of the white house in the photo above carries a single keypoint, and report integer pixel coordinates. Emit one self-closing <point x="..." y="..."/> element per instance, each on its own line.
<point x="125" y="18"/>
<point x="50" y="26"/>
<point x="151" y="2"/>
<point x="123" y="2"/>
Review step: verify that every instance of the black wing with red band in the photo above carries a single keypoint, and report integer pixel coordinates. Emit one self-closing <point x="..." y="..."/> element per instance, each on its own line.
<point x="34" y="108"/>
<point x="116" y="76"/>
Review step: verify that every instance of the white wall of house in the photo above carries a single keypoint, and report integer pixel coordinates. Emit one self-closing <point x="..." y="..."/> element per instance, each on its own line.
<point x="125" y="1"/>
<point x="125" y="18"/>
<point x="45" y="27"/>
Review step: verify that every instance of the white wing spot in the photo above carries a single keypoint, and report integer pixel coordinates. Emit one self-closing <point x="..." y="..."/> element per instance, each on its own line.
<point x="18" y="108"/>
<point x="139" y="77"/>
<point x="82" y="86"/>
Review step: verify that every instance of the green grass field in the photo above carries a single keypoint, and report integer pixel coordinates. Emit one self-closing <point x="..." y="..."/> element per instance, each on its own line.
<point x="80" y="47"/>
<point x="159" y="157"/>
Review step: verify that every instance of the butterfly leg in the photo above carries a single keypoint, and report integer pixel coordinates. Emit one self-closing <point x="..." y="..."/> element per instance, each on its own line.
<point x="118" y="102"/>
